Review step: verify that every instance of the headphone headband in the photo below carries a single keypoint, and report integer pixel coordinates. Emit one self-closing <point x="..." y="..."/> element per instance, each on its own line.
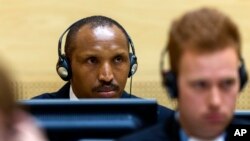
<point x="130" y="42"/>
<point x="61" y="37"/>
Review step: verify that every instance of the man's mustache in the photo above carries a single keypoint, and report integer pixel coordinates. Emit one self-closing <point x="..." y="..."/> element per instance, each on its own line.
<point x="106" y="87"/>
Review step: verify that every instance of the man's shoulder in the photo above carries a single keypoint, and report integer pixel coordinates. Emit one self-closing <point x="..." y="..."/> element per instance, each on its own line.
<point x="60" y="94"/>
<point x="153" y="133"/>
<point x="46" y="96"/>
<point x="162" y="112"/>
<point x="157" y="132"/>
<point x="128" y="95"/>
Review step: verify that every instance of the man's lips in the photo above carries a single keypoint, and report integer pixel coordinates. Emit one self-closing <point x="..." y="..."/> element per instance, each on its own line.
<point x="214" y="118"/>
<point x="107" y="94"/>
<point x="106" y="91"/>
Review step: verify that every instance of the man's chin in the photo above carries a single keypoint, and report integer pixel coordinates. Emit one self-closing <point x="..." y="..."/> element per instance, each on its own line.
<point x="211" y="132"/>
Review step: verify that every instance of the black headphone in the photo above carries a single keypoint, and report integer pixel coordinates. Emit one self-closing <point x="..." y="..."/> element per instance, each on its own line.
<point x="63" y="66"/>
<point x="169" y="78"/>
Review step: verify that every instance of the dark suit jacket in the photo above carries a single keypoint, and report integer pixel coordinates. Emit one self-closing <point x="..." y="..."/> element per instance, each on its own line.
<point x="63" y="93"/>
<point x="168" y="130"/>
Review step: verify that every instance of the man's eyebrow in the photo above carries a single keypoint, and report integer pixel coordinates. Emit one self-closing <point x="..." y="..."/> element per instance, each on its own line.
<point x="121" y="53"/>
<point x="197" y="79"/>
<point x="229" y="79"/>
<point x="87" y="54"/>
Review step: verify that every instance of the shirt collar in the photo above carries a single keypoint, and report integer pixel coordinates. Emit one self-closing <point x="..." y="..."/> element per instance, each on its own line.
<point x="72" y="95"/>
<point x="219" y="138"/>
<point x="184" y="137"/>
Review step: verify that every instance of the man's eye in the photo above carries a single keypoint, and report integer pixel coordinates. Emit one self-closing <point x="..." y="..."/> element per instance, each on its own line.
<point x="118" y="59"/>
<point x="92" y="60"/>
<point x="199" y="85"/>
<point x="227" y="83"/>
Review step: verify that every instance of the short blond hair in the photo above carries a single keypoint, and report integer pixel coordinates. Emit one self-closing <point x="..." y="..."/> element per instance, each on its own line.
<point x="204" y="30"/>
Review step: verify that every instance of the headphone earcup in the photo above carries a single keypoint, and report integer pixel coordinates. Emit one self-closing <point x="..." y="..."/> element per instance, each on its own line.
<point x="243" y="76"/>
<point x="133" y="64"/>
<point x="63" y="68"/>
<point x="170" y="83"/>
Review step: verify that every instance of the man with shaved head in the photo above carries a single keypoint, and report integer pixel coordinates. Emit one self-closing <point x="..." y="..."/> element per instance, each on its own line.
<point x="99" y="57"/>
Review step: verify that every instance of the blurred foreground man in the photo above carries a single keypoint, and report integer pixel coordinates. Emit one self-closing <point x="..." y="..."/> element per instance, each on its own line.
<point x="206" y="76"/>
<point x="15" y="123"/>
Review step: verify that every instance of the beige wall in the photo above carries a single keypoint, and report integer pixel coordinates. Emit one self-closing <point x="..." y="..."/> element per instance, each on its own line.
<point x="30" y="30"/>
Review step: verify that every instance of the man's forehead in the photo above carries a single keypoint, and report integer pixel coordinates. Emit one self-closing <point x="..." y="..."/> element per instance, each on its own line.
<point x="223" y="59"/>
<point x="100" y="35"/>
<point x="225" y="53"/>
<point x="103" y="33"/>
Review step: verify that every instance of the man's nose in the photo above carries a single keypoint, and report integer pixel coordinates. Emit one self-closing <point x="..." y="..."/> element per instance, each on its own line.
<point x="106" y="73"/>
<point x="215" y="98"/>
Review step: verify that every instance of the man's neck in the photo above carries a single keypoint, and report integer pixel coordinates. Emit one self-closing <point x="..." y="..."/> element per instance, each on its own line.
<point x="185" y="137"/>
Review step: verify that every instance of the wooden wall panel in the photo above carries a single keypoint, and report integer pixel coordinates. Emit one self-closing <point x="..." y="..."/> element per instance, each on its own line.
<point x="30" y="30"/>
